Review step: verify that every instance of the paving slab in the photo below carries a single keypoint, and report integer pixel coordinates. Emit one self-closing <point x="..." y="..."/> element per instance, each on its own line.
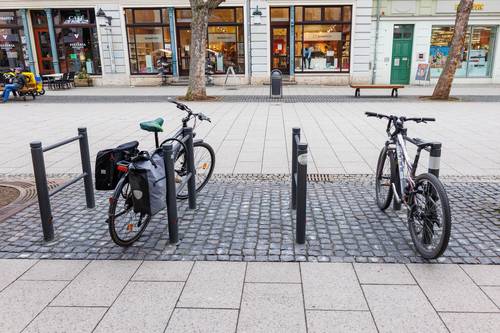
<point x="142" y="307"/>
<point x="12" y="269"/>
<point x="272" y="308"/>
<point x="23" y="300"/>
<point x="340" y="321"/>
<point x="472" y="322"/>
<point x="163" y="271"/>
<point x="450" y="289"/>
<point x="273" y="272"/>
<point x="373" y="273"/>
<point x="55" y="270"/>
<point x="98" y="284"/>
<point x="398" y="308"/>
<point x="66" y="320"/>
<point x="214" y="285"/>
<point x="203" y="321"/>
<point x="493" y="293"/>
<point x="483" y="275"/>
<point x="331" y="287"/>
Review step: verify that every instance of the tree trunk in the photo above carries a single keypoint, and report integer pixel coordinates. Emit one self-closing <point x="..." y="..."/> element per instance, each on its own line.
<point x="197" y="50"/>
<point x="443" y="87"/>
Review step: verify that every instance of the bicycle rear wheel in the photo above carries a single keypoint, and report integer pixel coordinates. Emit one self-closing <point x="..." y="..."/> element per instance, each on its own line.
<point x="383" y="188"/>
<point x="125" y="226"/>
<point x="204" y="163"/>
<point x="429" y="217"/>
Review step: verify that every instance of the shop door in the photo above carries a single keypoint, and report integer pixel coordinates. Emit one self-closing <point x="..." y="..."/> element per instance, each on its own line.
<point x="43" y="50"/>
<point x="401" y="54"/>
<point x="184" y="38"/>
<point x="280" y="55"/>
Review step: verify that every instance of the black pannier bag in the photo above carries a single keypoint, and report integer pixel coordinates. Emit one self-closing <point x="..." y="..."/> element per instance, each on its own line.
<point x="147" y="181"/>
<point x="106" y="175"/>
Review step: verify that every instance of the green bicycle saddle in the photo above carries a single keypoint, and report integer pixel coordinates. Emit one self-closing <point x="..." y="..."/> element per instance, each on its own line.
<point x="153" y="125"/>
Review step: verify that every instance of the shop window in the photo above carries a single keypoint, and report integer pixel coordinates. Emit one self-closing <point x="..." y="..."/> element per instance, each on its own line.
<point x="149" y="41"/>
<point x="280" y="14"/>
<point x="333" y="14"/>
<point x="298" y="14"/>
<point x="77" y="41"/>
<point x="222" y="15"/>
<point x="183" y="15"/>
<point x="323" y="46"/>
<point x="476" y="56"/>
<point x="346" y="14"/>
<point x="13" y="49"/>
<point x="239" y="14"/>
<point x="226" y="48"/>
<point x="312" y="14"/>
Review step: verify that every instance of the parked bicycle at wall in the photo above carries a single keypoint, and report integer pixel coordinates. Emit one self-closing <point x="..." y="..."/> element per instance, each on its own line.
<point x="125" y="224"/>
<point x="429" y="216"/>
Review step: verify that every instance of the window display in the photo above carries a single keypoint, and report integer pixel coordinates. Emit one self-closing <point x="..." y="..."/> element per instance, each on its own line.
<point x="322" y="39"/>
<point x="13" y="51"/>
<point x="476" y="57"/>
<point x="77" y="41"/>
<point x="149" y="43"/>
<point x="225" y="39"/>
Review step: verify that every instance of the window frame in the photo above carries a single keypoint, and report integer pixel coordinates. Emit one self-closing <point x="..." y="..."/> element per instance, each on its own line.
<point x="343" y="41"/>
<point x="164" y="24"/>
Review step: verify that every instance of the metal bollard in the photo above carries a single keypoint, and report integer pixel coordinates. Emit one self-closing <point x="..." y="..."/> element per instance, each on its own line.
<point x="42" y="190"/>
<point x="295" y="133"/>
<point x="171" y="200"/>
<point x="301" y="192"/>
<point x="188" y="131"/>
<point x="86" y="168"/>
<point x="435" y="159"/>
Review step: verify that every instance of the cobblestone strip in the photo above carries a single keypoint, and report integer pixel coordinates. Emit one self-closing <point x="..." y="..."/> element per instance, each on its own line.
<point x="247" y="218"/>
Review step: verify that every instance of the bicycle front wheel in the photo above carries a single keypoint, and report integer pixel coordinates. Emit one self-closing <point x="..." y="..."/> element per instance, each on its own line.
<point x="204" y="163"/>
<point x="383" y="188"/>
<point x="429" y="216"/>
<point x="125" y="226"/>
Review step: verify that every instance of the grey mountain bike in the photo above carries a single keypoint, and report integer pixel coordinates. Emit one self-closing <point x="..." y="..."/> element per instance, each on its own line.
<point x="429" y="216"/>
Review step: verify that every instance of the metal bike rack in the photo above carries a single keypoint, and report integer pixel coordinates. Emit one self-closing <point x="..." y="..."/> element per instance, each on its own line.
<point x="299" y="184"/>
<point x="41" y="178"/>
<point x="170" y="150"/>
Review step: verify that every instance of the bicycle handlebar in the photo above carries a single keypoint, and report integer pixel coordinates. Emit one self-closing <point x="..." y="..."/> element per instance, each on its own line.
<point x="403" y="119"/>
<point x="184" y="107"/>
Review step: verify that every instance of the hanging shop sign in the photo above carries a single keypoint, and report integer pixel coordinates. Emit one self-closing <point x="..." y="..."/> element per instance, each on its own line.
<point x="221" y="38"/>
<point x="322" y="36"/>
<point x="76" y="19"/>
<point x="148" y="38"/>
<point x="9" y="38"/>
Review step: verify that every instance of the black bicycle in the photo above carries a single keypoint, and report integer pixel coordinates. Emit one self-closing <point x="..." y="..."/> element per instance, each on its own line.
<point x="429" y="216"/>
<point x="126" y="226"/>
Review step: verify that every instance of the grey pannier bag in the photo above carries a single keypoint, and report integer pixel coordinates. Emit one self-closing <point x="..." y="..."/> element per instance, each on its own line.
<point x="148" y="184"/>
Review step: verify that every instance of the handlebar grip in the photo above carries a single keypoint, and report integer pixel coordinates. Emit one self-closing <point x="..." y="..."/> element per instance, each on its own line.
<point x="371" y="114"/>
<point x="428" y="119"/>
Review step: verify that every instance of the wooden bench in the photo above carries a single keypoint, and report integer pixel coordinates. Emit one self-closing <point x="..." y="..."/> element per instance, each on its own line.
<point x="394" y="88"/>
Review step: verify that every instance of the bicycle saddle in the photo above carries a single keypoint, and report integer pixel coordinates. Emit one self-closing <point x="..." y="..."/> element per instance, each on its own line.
<point x="152" y="125"/>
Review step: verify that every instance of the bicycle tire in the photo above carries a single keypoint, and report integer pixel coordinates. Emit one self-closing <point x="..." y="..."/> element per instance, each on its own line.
<point x="117" y="198"/>
<point x="198" y="164"/>
<point x="439" y="193"/>
<point x="383" y="201"/>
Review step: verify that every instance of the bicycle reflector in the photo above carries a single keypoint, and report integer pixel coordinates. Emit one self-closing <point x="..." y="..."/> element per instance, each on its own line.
<point x="204" y="166"/>
<point x="122" y="168"/>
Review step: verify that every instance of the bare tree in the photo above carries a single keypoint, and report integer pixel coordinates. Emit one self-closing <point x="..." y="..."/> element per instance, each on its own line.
<point x="200" y="10"/>
<point x="443" y="87"/>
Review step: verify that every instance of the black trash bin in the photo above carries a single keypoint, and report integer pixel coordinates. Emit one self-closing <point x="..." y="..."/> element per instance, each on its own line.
<point x="276" y="84"/>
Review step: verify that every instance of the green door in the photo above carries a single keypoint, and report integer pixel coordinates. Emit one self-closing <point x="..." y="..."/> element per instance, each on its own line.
<point x="401" y="54"/>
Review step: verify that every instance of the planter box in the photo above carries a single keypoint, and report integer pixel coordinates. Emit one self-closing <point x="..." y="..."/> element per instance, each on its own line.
<point x="83" y="82"/>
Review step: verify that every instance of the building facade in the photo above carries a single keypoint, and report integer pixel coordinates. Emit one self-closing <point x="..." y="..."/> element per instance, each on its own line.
<point x="126" y="41"/>
<point x="416" y="34"/>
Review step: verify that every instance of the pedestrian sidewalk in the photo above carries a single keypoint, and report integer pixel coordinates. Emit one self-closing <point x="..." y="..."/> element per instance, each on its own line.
<point x="288" y="90"/>
<point x="150" y="296"/>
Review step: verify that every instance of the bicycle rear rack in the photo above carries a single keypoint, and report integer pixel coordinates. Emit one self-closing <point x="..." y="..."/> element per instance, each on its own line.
<point x="299" y="184"/>
<point x="41" y="179"/>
